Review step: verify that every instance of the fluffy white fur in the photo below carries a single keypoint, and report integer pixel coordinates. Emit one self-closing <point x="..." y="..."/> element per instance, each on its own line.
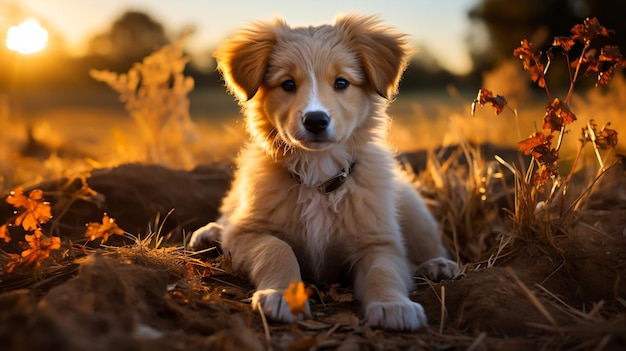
<point x="276" y="224"/>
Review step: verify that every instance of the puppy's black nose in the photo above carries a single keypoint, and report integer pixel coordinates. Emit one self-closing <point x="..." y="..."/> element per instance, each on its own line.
<point x="316" y="122"/>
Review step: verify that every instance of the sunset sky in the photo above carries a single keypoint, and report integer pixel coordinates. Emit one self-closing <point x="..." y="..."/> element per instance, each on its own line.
<point x="439" y="26"/>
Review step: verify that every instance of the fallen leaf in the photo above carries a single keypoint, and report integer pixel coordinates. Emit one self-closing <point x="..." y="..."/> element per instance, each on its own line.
<point x="17" y="198"/>
<point x="296" y="296"/>
<point x="339" y="294"/>
<point x="103" y="230"/>
<point x="39" y="247"/>
<point x="33" y="210"/>
<point x="4" y="233"/>
<point x="310" y="324"/>
<point x="15" y="261"/>
<point x="345" y="318"/>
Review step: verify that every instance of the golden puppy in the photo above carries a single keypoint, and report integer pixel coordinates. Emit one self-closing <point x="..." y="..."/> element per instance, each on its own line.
<point x="317" y="192"/>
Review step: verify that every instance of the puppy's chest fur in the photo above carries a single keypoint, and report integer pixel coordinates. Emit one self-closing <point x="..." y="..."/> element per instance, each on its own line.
<point x="325" y="231"/>
<point x="319" y="244"/>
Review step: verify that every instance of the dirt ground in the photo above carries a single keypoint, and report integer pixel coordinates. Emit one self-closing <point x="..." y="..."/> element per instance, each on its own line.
<point x="566" y="293"/>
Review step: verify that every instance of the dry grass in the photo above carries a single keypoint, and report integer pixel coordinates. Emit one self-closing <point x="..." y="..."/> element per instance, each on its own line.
<point x="204" y="296"/>
<point x="154" y="92"/>
<point x="491" y="215"/>
<point x="466" y="193"/>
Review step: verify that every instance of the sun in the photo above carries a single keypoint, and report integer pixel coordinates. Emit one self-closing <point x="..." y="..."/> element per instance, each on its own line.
<point x="27" y="37"/>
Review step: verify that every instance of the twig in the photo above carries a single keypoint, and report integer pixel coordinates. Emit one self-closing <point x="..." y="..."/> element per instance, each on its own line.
<point x="571" y="311"/>
<point x="559" y="142"/>
<point x="329" y="332"/>
<point x="455" y="237"/>
<point x="573" y="80"/>
<point x="595" y="311"/>
<point x="593" y="137"/>
<point x="477" y="342"/>
<point x="602" y="344"/>
<point x="266" y="328"/>
<point x="517" y="126"/>
<point x="533" y="299"/>
<point x="576" y="204"/>
<point x="443" y="309"/>
<point x="493" y="258"/>
<point x="159" y="239"/>
<point x="568" y="180"/>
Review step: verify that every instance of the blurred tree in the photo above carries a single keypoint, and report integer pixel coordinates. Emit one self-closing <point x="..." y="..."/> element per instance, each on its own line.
<point x="131" y="37"/>
<point x="426" y="73"/>
<point x="500" y="25"/>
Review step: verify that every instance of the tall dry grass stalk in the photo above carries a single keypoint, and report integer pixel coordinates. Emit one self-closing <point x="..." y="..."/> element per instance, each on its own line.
<point x="467" y="193"/>
<point x="155" y="94"/>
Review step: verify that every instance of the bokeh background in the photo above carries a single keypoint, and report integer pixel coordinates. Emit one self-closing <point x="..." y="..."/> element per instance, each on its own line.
<point x="55" y="116"/>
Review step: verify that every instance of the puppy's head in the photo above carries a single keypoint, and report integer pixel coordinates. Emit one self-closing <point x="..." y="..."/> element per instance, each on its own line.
<point x="312" y="87"/>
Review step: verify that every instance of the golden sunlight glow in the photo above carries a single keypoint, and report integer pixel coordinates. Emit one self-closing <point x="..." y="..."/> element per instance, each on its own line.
<point x="28" y="37"/>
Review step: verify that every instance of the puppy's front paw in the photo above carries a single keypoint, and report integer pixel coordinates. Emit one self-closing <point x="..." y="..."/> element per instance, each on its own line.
<point x="274" y="305"/>
<point x="205" y="237"/>
<point x="396" y="315"/>
<point x="437" y="269"/>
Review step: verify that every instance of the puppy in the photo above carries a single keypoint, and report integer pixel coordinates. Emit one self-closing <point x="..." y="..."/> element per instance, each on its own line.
<point x="317" y="193"/>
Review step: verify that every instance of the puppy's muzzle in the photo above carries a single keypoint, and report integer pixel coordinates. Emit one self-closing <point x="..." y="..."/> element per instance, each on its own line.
<point x="316" y="122"/>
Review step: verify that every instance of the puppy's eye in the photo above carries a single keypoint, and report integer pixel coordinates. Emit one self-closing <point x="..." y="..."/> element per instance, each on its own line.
<point x="341" y="84"/>
<point x="288" y="85"/>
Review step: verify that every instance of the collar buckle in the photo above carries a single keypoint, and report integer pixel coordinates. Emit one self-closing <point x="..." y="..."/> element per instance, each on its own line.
<point x="333" y="183"/>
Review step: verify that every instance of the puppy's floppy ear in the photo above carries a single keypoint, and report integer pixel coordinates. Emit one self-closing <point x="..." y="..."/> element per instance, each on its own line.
<point x="383" y="52"/>
<point x="242" y="59"/>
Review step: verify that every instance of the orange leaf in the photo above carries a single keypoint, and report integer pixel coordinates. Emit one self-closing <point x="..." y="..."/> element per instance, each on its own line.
<point x="296" y="296"/>
<point x="539" y="146"/>
<point x="526" y="52"/>
<point x="486" y="96"/>
<point x="104" y="230"/>
<point x="544" y="154"/>
<point x="39" y="249"/>
<point x="542" y="174"/>
<point x="564" y="42"/>
<point x="33" y="210"/>
<point x="604" y="77"/>
<point x="33" y="246"/>
<point x="610" y="57"/>
<point x="588" y="30"/>
<point x="15" y="261"/>
<point x="527" y="145"/>
<point x="557" y="115"/>
<point x="537" y="75"/>
<point x="17" y="198"/>
<point x="611" y="53"/>
<point x="532" y="62"/>
<point x="4" y="233"/>
<point x="607" y="139"/>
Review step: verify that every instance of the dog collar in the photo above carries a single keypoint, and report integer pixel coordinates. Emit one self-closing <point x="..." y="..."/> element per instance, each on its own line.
<point x="333" y="183"/>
